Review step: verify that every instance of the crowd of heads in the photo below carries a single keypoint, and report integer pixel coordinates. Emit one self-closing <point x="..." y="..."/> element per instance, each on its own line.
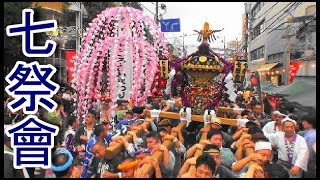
<point x="84" y="141"/>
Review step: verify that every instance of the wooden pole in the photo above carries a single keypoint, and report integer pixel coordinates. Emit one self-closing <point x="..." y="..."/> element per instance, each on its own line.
<point x="112" y="151"/>
<point x="204" y="136"/>
<point x="197" y="118"/>
<point x="159" y="154"/>
<point x="225" y="109"/>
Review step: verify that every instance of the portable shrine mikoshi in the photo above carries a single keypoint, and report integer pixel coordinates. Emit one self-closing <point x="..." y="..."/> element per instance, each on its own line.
<point x="200" y="78"/>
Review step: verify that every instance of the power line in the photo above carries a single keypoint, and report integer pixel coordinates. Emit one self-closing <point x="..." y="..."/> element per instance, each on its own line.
<point x="147" y="9"/>
<point x="282" y="10"/>
<point x="184" y="35"/>
<point x="276" y="20"/>
<point x="267" y="11"/>
<point x="276" y="41"/>
<point x="283" y="23"/>
<point x="281" y="19"/>
<point x="154" y="15"/>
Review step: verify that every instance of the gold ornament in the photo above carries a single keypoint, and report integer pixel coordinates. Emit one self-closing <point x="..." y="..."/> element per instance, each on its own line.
<point x="202" y="58"/>
<point x="209" y="118"/>
<point x="183" y="114"/>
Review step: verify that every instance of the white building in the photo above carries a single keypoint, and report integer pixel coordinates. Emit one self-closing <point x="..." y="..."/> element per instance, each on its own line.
<point x="274" y="28"/>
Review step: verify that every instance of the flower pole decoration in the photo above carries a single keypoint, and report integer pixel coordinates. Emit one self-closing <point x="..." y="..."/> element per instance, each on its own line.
<point x="121" y="45"/>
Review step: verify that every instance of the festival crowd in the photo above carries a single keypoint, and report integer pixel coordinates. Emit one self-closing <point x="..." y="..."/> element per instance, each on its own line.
<point x="273" y="143"/>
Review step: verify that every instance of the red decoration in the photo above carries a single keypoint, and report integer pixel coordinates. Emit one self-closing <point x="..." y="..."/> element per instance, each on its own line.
<point x="294" y="67"/>
<point x="254" y="81"/>
<point x="162" y="83"/>
<point x="69" y="63"/>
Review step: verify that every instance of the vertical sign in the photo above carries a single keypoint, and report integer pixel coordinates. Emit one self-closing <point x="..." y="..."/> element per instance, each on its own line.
<point x="164" y="71"/>
<point x="127" y="86"/>
<point x="126" y="79"/>
<point x="70" y="64"/>
<point x="239" y="71"/>
<point x="294" y="67"/>
<point x="255" y="85"/>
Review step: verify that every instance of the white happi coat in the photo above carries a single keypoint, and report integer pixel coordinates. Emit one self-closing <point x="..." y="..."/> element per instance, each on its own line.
<point x="269" y="128"/>
<point x="300" y="150"/>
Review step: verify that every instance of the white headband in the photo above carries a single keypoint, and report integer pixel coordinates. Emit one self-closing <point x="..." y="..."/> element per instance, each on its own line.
<point x="288" y="119"/>
<point x="262" y="145"/>
<point x="276" y="112"/>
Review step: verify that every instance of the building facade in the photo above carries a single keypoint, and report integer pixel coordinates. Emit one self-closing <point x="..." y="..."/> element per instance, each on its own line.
<point x="280" y="33"/>
<point x="64" y="36"/>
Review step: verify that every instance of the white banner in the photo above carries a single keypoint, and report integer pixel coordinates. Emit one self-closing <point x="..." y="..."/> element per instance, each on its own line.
<point x="185" y="115"/>
<point x="169" y="81"/>
<point x="128" y="71"/>
<point x="126" y="84"/>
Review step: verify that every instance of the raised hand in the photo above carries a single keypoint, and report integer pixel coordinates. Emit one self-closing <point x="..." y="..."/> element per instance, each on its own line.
<point x="256" y="157"/>
<point x="205" y="142"/>
<point x="168" y="137"/>
<point x="191" y="161"/>
<point x="174" y="129"/>
<point x="294" y="170"/>
<point x="84" y="138"/>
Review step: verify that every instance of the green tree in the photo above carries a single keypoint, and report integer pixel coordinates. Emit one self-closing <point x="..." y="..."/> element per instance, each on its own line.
<point x="136" y="5"/>
<point x="93" y="9"/>
<point x="13" y="45"/>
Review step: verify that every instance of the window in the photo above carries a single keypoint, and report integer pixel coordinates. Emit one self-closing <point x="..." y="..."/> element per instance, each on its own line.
<point x="296" y="55"/>
<point x="275" y="57"/>
<point x="261" y="26"/>
<point x="258" y="29"/>
<point x="257" y="53"/>
<point x="311" y="10"/>
<point x="257" y="8"/>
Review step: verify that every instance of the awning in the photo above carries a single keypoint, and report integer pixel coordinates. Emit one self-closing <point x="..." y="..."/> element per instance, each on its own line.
<point x="255" y="64"/>
<point x="267" y="67"/>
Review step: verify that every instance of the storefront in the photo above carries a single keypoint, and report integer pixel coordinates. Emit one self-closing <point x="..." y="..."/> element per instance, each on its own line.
<point x="255" y="64"/>
<point x="271" y="73"/>
<point x="307" y="68"/>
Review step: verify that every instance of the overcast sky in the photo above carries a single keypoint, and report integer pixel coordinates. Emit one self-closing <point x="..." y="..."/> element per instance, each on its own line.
<point x="193" y="15"/>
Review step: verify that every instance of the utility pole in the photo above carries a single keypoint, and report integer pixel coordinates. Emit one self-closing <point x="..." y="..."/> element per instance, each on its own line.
<point x="287" y="35"/>
<point x="78" y="27"/>
<point x="288" y="53"/>
<point x="157" y="13"/>
<point x="247" y="11"/>
<point x="183" y="49"/>
<point x="80" y="21"/>
<point x="286" y="63"/>
<point x="246" y="39"/>
<point x="224" y="45"/>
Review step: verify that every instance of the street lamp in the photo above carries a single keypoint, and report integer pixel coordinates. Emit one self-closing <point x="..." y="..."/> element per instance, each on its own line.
<point x="162" y="7"/>
<point x="183" y="47"/>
